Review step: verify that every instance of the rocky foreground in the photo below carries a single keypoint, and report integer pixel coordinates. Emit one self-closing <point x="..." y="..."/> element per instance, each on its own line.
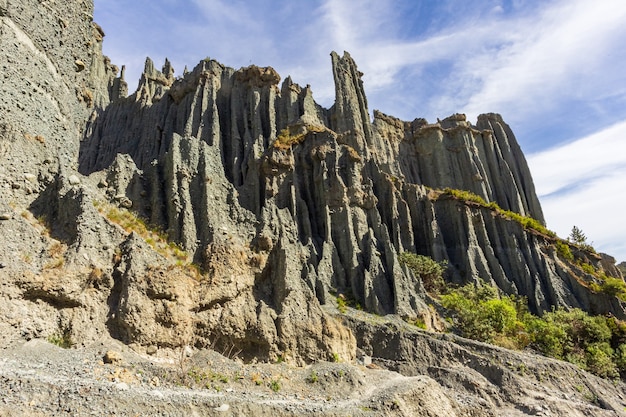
<point x="190" y="248"/>
<point x="432" y="375"/>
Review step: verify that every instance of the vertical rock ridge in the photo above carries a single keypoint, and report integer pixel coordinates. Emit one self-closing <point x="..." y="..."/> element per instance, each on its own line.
<point x="511" y="153"/>
<point x="335" y="198"/>
<point x="285" y="208"/>
<point x="350" y="114"/>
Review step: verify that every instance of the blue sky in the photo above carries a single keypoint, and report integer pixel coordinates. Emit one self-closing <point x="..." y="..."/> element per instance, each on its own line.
<point x="555" y="70"/>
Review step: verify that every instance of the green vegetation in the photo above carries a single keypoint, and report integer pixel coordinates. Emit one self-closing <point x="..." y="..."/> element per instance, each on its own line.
<point x="614" y="287"/>
<point x="564" y="251"/>
<point x="579" y="239"/>
<point x="467" y="196"/>
<point x="429" y="270"/>
<point x="577" y="236"/>
<point x="480" y="313"/>
<point x="313" y="378"/>
<point x="594" y="343"/>
<point x="275" y="385"/>
<point x="153" y="236"/>
<point x="294" y="134"/>
<point x="202" y="377"/>
<point x="62" y="340"/>
<point x="417" y="322"/>
<point x="345" y="301"/>
<point x="525" y="221"/>
<point x="342" y="306"/>
<point x="588" y="268"/>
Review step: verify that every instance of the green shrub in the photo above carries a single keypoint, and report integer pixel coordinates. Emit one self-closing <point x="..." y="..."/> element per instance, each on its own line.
<point x="620" y="357"/>
<point x="594" y="343"/>
<point x="599" y="360"/>
<point x="564" y="251"/>
<point x="275" y="385"/>
<point x="342" y="306"/>
<point x="480" y="313"/>
<point x="425" y="267"/>
<point x="547" y="336"/>
<point x="588" y="268"/>
<point x="614" y="287"/>
<point x="313" y="377"/>
<point x="63" y="340"/>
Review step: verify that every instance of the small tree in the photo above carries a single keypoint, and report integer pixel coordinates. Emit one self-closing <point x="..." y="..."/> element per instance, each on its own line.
<point x="577" y="236"/>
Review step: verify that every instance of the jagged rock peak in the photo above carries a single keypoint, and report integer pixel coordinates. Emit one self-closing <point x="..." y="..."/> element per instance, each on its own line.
<point x="350" y="114"/>
<point x="258" y="76"/>
<point x="154" y="83"/>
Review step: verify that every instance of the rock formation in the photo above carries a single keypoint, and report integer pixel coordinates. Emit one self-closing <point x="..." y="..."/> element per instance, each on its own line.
<point x="283" y="206"/>
<point x="350" y="193"/>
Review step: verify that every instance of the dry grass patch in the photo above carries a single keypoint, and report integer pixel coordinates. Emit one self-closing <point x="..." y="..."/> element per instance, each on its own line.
<point x="153" y="236"/>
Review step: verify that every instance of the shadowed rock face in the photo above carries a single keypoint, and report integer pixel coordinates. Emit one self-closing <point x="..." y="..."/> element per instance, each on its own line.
<point x="285" y="204"/>
<point x="220" y="146"/>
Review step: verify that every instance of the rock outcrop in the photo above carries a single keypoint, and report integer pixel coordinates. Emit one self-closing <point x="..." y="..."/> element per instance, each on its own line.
<point x="351" y="193"/>
<point x="266" y="208"/>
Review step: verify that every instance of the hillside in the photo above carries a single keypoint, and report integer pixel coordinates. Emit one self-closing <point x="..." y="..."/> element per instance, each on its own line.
<point x="222" y="223"/>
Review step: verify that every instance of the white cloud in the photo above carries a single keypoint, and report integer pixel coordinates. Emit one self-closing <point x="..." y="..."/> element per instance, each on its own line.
<point x="537" y="63"/>
<point x="583" y="183"/>
<point x="555" y="56"/>
<point x="596" y="155"/>
<point x="521" y="64"/>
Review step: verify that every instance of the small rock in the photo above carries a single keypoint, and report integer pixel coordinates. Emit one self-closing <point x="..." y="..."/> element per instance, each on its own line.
<point x="103" y="184"/>
<point x="16" y="186"/>
<point x="151" y="350"/>
<point x="155" y="382"/>
<point x="73" y="180"/>
<point x="112" y="357"/>
<point x="80" y="65"/>
<point x="123" y="201"/>
<point x="122" y="386"/>
<point x="5" y="216"/>
<point x="126" y="203"/>
<point x="188" y="351"/>
<point x="222" y="408"/>
<point x="30" y="177"/>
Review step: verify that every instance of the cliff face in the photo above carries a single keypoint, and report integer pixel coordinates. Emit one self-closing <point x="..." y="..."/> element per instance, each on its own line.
<point x="220" y="144"/>
<point x="284" y="208"/>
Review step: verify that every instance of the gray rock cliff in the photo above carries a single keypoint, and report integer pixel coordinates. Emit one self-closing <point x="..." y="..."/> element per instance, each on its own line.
<point x="226" y="210"/>
<point x="352" y="193"/>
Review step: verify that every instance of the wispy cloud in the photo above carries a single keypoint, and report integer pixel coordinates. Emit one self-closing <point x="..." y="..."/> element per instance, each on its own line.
<point x="522" y="61"/>
<point x="554" y="69"/>
<point x="582" y="183"/>
<point x="554" y="57"/>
